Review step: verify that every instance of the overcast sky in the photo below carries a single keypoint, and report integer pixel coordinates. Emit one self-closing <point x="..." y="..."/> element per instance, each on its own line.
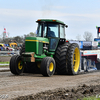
<point x="19" y="16"/>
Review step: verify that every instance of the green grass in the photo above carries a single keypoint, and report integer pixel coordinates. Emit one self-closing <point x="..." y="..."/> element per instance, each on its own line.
<point x="4" y="62"/>
<point x="89" y="98"/>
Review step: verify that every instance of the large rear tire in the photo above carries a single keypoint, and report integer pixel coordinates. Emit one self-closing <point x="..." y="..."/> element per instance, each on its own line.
<point x="67" y="59"/>
<point x="16" y="65"/>
<point x="47" y="66"/>
<point x="73" y="59"/>
<point x="60" y="58"/>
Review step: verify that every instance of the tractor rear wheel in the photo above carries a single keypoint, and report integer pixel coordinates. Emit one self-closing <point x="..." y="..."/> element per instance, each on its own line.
<point x="73" y="59"/>
<point x="67" y="59"/>
<point x="48" y="66"/>
<point x="16" y="65"/>
<point x="60" y="58"/>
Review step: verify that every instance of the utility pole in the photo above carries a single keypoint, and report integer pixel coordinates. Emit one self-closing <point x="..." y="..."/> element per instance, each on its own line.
<point x="4" y="36"/>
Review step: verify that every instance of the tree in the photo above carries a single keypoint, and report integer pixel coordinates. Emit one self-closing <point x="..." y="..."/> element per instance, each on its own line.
<point x="6" y="41"/>
<point x="88" y="36"/>
<point x="18" y="39"/>
<point x="31" y="34"/>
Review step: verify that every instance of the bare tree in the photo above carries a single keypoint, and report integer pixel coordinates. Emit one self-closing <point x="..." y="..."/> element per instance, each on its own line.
<point x="88" y="36"/>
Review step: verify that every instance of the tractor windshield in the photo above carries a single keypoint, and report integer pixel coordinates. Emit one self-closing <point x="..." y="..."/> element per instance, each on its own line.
<point x="48" y="30"/>
<point x="51" y="30"/>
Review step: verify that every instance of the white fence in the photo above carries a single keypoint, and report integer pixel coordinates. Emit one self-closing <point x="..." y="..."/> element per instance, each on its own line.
<point x="9" y="52"/>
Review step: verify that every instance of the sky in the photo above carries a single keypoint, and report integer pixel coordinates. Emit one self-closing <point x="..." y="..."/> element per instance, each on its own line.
<point x="19" y="16"/>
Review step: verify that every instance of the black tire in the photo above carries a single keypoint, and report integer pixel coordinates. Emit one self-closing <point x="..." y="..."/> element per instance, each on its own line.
<point x="48" y="66"/>
<point x="64" y="59"/>
<point x="22" y="48"/>
<point x="16" y="65"/>
<point x="60" y="58"/>
<point x="84" y="64"/>
<point x="26" y="69"/>
<point x="11" y="66"/>
<point x="73" y="59"/>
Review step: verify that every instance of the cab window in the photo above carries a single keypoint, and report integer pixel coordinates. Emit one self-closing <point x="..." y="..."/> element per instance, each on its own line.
<point x="39" y="30"/>
<point x="45" y="30"/>
<point x="62" y="31"/>
<point x="52" y="30"/>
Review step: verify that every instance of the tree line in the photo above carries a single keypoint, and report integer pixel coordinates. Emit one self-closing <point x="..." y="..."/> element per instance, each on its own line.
<point x="87" y="36"/>
<point x="18" y="39"/>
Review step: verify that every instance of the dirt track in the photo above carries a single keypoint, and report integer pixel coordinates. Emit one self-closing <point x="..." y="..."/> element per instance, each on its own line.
<point x="27" y="84"/>
<point x="4" y="58"/>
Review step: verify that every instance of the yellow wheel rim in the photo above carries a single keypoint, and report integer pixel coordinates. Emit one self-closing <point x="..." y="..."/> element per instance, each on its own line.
<point x="51" y="67"/>
<point x="76" y="59"/>
<point x="20" y="65"/>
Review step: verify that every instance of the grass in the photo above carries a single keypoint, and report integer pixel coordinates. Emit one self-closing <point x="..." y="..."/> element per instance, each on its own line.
<point x="4" y="63"/>
<point x="7" y="62"/>
<point x="89" y="98"/>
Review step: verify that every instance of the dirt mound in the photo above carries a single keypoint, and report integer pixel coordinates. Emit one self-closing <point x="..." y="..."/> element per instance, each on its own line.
<point x="64" y="94"/>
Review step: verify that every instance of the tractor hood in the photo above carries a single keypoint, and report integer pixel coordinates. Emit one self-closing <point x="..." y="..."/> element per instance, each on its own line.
<point x="35" y="44"/>
<point x="37" y="39"/>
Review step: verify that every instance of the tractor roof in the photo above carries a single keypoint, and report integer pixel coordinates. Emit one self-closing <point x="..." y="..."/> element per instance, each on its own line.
<point x="51" y="21"/>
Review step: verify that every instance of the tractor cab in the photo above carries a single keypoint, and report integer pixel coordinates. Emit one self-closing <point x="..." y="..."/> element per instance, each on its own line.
<point x="50" y="28"/>
<point x="54" y="30"/>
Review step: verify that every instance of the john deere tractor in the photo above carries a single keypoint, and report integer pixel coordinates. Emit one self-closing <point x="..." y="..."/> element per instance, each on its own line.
<point x="48" y="52"/>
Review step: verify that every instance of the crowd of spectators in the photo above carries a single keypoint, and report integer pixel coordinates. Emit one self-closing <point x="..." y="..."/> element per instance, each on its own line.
<point x="8" y="48"/>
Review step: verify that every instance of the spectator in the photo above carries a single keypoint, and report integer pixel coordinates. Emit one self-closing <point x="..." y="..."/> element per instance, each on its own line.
<point x="1" y="48"/>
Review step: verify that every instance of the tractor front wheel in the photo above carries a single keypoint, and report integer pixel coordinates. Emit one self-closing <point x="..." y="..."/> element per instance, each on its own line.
<point x="48" y="66"/>
<point x="16" y="65"/>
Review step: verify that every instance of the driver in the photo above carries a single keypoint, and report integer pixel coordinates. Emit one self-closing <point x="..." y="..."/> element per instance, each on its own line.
<point x="50" y="33"/>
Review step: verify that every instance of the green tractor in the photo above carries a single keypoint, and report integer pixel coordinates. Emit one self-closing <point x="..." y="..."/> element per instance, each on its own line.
<point x="48" y="52"/>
